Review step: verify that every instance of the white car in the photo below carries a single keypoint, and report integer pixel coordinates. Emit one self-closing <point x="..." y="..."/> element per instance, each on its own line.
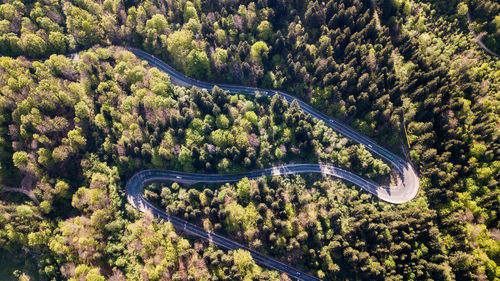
<point x="370" y="146"/>
<point x="178" y="177"/>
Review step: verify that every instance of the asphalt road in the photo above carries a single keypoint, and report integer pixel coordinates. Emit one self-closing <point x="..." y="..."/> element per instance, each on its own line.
<point x="134" y="197"/>
<point x="479" y="38"/>
<point x="406" y="189"/>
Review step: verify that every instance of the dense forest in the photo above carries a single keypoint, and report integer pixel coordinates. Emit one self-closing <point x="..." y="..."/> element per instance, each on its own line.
<point x="485" y="21"/>
<point x="407" y="73"/>
<point x="66" y="119"/>
<point x="322" y="226"/>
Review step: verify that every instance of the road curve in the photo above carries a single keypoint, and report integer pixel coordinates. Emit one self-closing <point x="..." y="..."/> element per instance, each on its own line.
<point x="479" y="38"/>
<point x="408" y="185"/>
<point x="406" y="189"/>
<point x="28" y="193"/>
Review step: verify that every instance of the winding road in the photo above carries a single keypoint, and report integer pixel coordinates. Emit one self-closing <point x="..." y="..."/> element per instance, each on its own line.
<point x="405" y="190"/>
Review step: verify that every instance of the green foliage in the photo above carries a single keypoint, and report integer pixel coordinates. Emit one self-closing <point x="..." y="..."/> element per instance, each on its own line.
<point x="189" y="11"/>
<point x="259" y="50"/>
<point x="222" y="122"/>
<point x="185" y="159"/>
<point x="58" y="42"/>
<point x="243" y="189"/>
<point x="33" y="45"/>
<point x="246" y="265"/>
<point x="317" y="225"/>
<point x="158" y="23"/>
<point x="485" y="17"/>
<point x="408" y="61"/>
<point x="83" y="25"/>
<point x="459" y="178"/>
<point x="462" y="8"/>
<point x="251" y="117"/>
<point x="179" y="45"/>
<point x="197" y="64"/>
<point x="265" y="30"/>
<point x="279" y="153"/>
<point x="20" y="158"/>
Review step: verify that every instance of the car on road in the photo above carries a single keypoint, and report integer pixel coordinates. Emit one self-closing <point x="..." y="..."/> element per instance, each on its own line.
<point x="370" y="146"/>
<point x="338" y="128"/>
<point x="178" y="177"/>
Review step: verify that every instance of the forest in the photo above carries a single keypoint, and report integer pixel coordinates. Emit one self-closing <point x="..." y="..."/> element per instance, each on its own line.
<point x="485" y="17"/>
<point x="107" y="107"/>
<point x="407" y="73"/>
<point x="318" y="225"/>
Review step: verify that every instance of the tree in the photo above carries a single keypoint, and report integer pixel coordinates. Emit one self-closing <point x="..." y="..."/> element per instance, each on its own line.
<point x="58" y="42"/>
<point x="223" y="166"/>
<point x="219" y="59"/>
<point x="246" y="265"/>
<point x="158" y="23"/>
<point x="243" y="189"/>
<point x="33" y="45"/>
<point x="9" y="44"/>
<point x="83" y="26"/>
<point x="258" y="51"/>
<point x="75" y="139"/>
<point x="20" y="159"/>
<point x="278" y="153"/>
<point x="179" y="45"/>
<point x="277" y="108"/>
<point x="251" y="117"/>
<point x="265" y="30"/>
<point x="222" y="122"/>
<point x="315" y="15"/>
<point x="190" y="11"/>
<point x="44" y="157"/>
<point x="336" y="55"/>
<point x="61" y="153"/>
<point x="185" y="159"/>
<point x="462" y="8"/>
<point x="197" y="64"/>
